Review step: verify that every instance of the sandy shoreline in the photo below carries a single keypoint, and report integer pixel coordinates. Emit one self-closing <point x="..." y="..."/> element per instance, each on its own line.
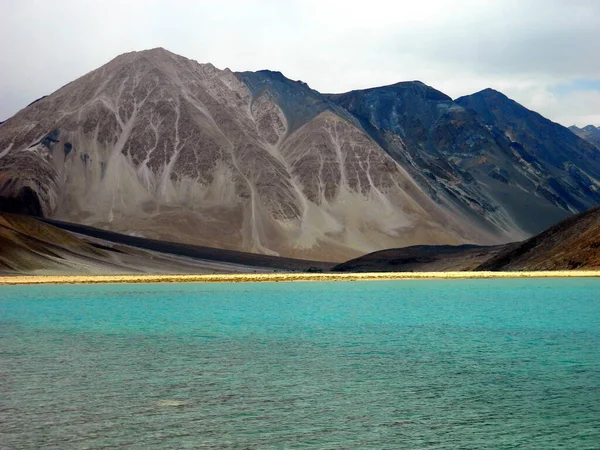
<point x="276" y="277"/>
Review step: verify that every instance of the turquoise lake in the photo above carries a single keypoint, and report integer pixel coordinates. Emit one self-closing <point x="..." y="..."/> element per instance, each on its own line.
<point x="424" y="364"/>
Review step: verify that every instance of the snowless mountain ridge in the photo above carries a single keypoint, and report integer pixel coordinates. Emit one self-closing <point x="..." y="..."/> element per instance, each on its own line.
<point x="158" y="145"/>
<point x="590" y="133"/>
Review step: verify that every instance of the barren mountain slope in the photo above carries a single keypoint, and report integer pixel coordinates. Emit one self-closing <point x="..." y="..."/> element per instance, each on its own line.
<point x="571" y="244"/>
<point x="31" y="247"/>
<point x="574" y="243"/>
<point x="422" y="258"/>
<point x="468" y="157"/>
<point x="158" y="145"/>
<point x="559" y="166"/>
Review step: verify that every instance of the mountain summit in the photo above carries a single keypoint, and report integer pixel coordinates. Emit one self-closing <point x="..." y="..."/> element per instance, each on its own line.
<point x="161" y="146"/>
<point x="590" y="133"/>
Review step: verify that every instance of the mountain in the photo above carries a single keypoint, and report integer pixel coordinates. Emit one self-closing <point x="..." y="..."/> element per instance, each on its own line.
<point x="571" y="244"/>
<point x="590" y="133"/>
<point x="469" y="164"/>
<point x="561" y="167"/>
<point x="159" y="146"/>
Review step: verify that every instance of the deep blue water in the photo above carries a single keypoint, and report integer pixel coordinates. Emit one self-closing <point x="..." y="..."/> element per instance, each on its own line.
<point x="431" y="364"/>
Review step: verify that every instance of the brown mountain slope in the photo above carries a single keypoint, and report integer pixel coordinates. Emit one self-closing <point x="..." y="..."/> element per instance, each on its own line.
<point x="31" y="246"/>
<point x="573" y="243"/>
<point x="27" y="245"/>
<point x="34" y="246"/>
<point x="422" y="258"/>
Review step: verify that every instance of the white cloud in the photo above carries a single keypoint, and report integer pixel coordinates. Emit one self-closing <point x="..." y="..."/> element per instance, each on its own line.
<point x="573" y="108"/>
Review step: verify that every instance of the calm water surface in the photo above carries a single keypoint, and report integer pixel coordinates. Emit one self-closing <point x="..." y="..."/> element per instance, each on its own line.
<point x="431" y="364"/>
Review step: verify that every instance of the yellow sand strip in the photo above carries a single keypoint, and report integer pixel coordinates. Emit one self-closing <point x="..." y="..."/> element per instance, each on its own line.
<point x="93" y="279"/>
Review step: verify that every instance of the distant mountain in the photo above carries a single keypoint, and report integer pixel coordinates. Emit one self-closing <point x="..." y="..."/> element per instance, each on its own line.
<point x="561" y="167"/>
<point x="160" y="146"/>
<point x="454" y="149"/>
<point x="590" y="133"/>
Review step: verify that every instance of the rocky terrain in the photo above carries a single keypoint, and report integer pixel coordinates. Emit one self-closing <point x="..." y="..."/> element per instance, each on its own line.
<point x="571" y="244"/>
<point x="590" y="133"/>
<point x="158" y="146"/>
<point x="44" y="246"/>
<point x="574" y="243"/>
<point x="422" y="258"/>
<point x="33" y="246"/>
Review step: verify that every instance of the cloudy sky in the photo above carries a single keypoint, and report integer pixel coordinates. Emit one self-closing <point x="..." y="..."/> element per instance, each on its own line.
<point x="543" y="53"/>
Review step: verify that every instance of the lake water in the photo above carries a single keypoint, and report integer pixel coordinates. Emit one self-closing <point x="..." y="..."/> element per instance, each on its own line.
<point x="431" y="364"/>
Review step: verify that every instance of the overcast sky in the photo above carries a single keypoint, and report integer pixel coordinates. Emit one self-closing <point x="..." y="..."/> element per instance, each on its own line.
<point x="544" y="54"/>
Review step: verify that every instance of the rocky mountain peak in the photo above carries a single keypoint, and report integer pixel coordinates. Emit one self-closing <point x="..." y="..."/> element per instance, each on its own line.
<point x="590" y="133"/>
<point x="490" y="92"/>
<point x="416" y="89"/>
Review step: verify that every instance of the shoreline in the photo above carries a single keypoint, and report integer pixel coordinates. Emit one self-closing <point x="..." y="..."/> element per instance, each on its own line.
<point x="283" y="277"/>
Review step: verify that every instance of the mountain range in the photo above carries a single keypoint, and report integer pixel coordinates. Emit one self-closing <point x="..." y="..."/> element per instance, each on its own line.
<point x="590" y="133"/>
<point x="156" y="145"/>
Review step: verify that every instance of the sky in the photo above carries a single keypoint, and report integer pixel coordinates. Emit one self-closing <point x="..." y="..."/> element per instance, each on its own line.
<point x="545" y="54"/>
